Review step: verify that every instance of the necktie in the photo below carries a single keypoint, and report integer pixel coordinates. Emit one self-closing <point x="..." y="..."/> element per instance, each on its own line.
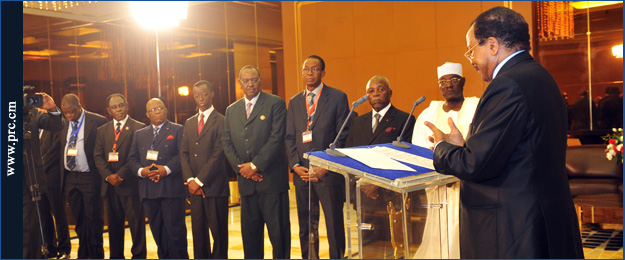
<point x="377" y="120"/>
<point x="156" y="129"/>
<point x="311" y="100"/>
<point x="119" y="125"/>
<point x="200" y="125"/>
<point x="248" y="110"/>
<point x="71" y="160"/>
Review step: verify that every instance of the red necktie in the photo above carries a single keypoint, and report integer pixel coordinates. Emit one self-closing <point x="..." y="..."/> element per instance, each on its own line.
<point x="200" y="125"/>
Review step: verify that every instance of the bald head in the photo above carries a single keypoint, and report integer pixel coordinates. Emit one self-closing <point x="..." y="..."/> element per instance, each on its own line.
<point x="156" y="111"/>
<point x="379" y="92"/>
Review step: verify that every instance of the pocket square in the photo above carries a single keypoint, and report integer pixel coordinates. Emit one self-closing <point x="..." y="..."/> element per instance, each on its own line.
<point x="170" y="137"/>
<point x="390" y="130"/>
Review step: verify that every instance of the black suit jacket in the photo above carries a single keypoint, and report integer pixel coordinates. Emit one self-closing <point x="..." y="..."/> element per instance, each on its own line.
<point x="203" y="156"/>
<point x="515" y="197"/>
<point x="260" y="140"/>
<point x="167" y="144"/>
<point x="104" y="145"/>
<point x="51" y="150"/>
<point x="44" y="121"/>
<point x="390" y="126"/>
<point x="332" y="109"/>
<point x="91" y="124"/>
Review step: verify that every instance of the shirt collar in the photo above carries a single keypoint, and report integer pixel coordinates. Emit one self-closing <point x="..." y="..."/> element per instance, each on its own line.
<point x="382" y="112"/>
<point x="315" y="91"/>
<point x="123" y="121"/>
<point x="253" y="99"/>
<point x="206" y="112"/>
<point x="504" y="62"/>
<point x="159" y="126"/>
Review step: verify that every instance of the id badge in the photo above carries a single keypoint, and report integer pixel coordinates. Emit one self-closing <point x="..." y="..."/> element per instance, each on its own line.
<point x="152" y="155"/>
<point x="72" y="152"/>
<point x="113" y="156"/>
<point x="307" y="137"/>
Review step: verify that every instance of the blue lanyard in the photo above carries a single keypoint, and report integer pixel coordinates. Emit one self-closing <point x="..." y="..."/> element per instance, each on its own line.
<point x="82" y="119"/>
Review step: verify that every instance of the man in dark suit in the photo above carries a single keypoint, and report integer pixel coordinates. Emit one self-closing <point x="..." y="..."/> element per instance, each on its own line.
<point x="253" y="141"/>
<point x="314" y="118"/>
<point x="515" y="196"/>
<point x="382" y="125"/>
<point x="55" y="230"/>
<point x="34" y="174"/>
<point x="155" y="158"/>
<point x="82" y="181"/>
<point x="120" y="188"/>
<point x="611" y="109"/>
<point x="389" y="122"/>
<point x="203" y="168"/>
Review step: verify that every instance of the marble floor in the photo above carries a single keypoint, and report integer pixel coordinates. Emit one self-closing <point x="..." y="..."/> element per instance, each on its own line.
<point x="598" y="244"/>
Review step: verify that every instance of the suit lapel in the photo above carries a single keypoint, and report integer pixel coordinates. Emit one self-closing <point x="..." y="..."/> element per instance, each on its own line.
<point x="161" y="133"/>
<point x="258" y="107"/>
<point x="386" y="120"/>
<point x="193" y="121"/>
<point x="126" y="131"/>
<point x="321" y="104"/>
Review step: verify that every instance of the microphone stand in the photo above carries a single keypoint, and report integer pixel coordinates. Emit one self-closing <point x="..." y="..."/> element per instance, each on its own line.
<point x="332" y="149"/>
<point x="399" y="142"/>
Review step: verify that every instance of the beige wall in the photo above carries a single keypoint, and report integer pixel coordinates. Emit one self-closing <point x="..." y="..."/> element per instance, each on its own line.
<point x="404" y="41"/>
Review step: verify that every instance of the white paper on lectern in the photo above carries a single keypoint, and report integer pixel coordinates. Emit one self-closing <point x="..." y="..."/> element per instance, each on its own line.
<point x="405" y="157"/>
<point x="374" y="159"/>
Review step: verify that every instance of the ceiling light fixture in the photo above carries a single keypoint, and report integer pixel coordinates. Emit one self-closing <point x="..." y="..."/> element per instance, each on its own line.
<point x="617" y="51"/>
<point x="158" y="15"/>
<point x="591" y="4"/>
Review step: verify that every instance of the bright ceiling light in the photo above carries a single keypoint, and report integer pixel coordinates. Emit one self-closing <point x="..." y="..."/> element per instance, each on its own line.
<point x="159" y="15"/>
<point x="591" y="4"/>
<point x="617" y="51"/>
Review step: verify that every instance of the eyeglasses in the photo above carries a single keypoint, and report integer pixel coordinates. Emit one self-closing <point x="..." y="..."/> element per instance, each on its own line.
<point x="371" y="91"/>
<point x="454" y="81"/>
<point x="314" y="70"/>
<point x="155" y="109"/>
<point x="253" y="80"/>
<point x="469" y="53"/>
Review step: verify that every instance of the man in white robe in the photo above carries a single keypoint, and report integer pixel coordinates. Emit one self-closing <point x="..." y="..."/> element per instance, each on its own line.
<point x="461" y="110"/>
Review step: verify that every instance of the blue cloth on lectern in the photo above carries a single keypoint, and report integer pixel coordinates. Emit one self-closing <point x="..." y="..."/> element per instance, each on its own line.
<point x="388" y="174"/>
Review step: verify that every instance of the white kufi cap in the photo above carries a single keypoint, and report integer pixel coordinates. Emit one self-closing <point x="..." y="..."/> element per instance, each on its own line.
<point x="450" y="68"/>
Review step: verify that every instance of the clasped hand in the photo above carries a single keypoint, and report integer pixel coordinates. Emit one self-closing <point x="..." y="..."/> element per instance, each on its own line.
<point x="314" y="175"/>
<point x="195" y="189"/>
<point x="154" y="175"/>
<point x="247" y="172"/>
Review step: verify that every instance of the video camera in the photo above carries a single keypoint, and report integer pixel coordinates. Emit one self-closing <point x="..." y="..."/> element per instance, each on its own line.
<point x="31" y="100"/>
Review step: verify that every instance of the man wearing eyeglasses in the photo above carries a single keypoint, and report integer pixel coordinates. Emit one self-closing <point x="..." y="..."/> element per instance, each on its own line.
<point x="82" y="180"/>
<point x="514" y="191"/>
<point x="154" y="158"/>
<point x="460" y="109"/>
<point x="253" y="141"/>
<point x="314" y="119"/>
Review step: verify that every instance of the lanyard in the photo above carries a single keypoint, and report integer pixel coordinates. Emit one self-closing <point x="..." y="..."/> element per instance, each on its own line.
<point x="312" y="108"/>
<point x="75" y="133"/>
<point x="117" y="135"/>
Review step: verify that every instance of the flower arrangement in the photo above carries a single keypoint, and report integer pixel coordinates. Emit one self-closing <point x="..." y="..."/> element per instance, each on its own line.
<point x="615" y="145"/>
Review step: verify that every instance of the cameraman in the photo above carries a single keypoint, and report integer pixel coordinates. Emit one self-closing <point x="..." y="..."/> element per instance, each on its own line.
<point x="49" y="120"/>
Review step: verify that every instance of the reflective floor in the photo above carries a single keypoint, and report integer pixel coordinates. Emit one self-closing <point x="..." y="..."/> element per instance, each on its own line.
<point x="604" y="243"/>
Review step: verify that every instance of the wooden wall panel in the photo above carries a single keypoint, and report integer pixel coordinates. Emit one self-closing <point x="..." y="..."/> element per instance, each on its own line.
<point x="403" y="40"/>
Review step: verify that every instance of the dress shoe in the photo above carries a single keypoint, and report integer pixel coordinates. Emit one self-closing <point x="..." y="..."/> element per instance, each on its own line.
<point x="63" y="256"/>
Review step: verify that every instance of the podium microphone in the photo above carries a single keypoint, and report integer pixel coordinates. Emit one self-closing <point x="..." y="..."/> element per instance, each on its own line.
<point x="399" y="143"/>
<point x="332" y="149"/>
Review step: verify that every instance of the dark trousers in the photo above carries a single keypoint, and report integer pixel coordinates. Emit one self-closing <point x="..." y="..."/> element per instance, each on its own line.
<point x="259" y="209"/>
<point x="119" y="208"/>
<point x="331" y="198"/>
<point x="166" y="218"/>
<point x="209" y="213"/>
<point x="31" y="237"/>
<point x="54" y="222"/>
<point x="83" y="195"/>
